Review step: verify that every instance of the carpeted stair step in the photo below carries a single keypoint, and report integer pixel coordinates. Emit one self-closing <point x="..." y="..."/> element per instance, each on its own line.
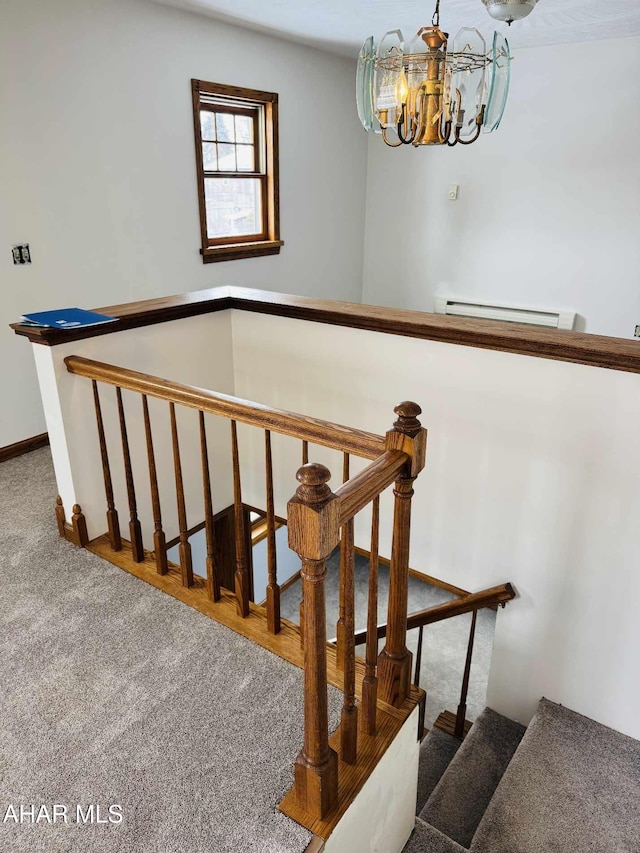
<point x="573" y="785"/>
<point x="436" y="752"/>
<point x="461" y="797"/>
<point x="428" y="839"/>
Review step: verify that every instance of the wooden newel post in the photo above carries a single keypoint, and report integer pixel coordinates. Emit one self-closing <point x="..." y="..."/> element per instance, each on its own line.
<point x="394" y="661"/>
<point x="312" y="516"/>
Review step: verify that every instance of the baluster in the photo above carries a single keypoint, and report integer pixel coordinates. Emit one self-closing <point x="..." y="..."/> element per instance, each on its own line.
<point x="349" y="717"/>
<point x="213" y="581"/>
<point x="159" y="539"/>
<point x="135" y="531"/>
<point x="313" y="533"/>
<point x="273" y="589"/>
<point x="370" y="681"/>
<point x="305" y="461"/>
<point x="113" y="524"/>
<point x="184" y="549"/>
<point x="462" y="707"/>
<point x="241" y="574"/>
<point x="416" y="677"/>
<point x="340" y="626"/>
<point x="394" y="661"/>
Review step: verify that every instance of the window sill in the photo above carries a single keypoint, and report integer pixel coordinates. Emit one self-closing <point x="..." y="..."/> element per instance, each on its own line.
<point x="237" y="251"/>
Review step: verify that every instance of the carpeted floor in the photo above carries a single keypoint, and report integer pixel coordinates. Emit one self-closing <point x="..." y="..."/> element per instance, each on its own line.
<point x="444" y="644"/>
<point x="115" y="694"/>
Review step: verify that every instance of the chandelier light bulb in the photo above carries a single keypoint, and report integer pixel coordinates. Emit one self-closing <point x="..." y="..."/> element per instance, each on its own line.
<point x="509" y="10"/>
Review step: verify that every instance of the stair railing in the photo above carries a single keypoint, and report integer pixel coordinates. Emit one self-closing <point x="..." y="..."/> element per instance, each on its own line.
<point x="472" y="603"/>
<point x="318" y="521"/>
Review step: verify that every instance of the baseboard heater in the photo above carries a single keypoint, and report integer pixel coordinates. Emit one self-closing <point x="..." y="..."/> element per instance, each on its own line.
<point x="463" y="307"/>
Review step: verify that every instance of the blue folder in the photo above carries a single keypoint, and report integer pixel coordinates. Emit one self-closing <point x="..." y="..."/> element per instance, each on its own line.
<point x="67" y="318"/>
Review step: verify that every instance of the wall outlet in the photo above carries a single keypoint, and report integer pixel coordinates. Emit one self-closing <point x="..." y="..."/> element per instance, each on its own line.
<point x="21" y="253"/>
<point x="636" y="334"/>
<point x="453" y="192"/>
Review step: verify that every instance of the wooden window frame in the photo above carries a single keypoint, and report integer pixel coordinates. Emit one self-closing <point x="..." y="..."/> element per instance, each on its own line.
<point x="263" y="106"/>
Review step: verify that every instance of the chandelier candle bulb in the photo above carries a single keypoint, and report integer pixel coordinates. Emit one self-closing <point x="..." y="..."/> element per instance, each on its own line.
<point x="430" y="94"/>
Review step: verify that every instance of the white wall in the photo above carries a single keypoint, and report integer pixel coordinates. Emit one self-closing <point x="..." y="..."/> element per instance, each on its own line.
<point x="531" y="477"/>
<point x="548" y="210"/>
<point x="195" y="351"/>
<point x="98" y="168"/>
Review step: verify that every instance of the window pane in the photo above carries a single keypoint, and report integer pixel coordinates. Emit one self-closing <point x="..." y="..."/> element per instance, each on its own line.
<point x="234" y="206"/>
<point x="207" y="124"/>
<point x="245" y="155"/>
<point x="244" y="129"/>
<point x="224" y="123"/>
<point x="209" y="157"/>
<point x="226" y="157"/>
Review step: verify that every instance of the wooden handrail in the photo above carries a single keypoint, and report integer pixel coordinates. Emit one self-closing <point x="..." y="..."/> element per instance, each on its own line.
<point x="457" y="607"/>
<point x="336" y="436"/>
<point x="358" y="492"/>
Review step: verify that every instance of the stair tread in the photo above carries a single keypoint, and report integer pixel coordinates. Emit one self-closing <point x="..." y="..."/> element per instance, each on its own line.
<point x="436" y="753"/>
<point x="573" y="784"/>
<point x="462" y="795"/>
<point x="427" y="839"/>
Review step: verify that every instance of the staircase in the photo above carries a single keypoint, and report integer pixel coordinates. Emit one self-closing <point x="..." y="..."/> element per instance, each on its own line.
<point x="566" y="783"/>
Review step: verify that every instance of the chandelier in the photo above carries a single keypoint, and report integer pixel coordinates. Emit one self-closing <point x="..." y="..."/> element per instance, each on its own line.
<point x="433" y="93"/>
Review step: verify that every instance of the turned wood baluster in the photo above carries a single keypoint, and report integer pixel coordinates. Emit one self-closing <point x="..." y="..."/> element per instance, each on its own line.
<point x="416" y="676"/>
<point x="394" y="661"/>
<point x="273" y="588"/>
<point x="340" y="626"/>
<point x="349" y="717"/>
<point x="370" y="681"/>
<point x="159" y="539"/>
<point x="305" y="461"/>
<point x="135" y="531"/>
<point x="241" y="577"/>
<point x="313" y="533"/>
<point x="213" y="580"/>
<point x="462" y="707"/>
<point x="113" y="524"/>
<point x="184" y="548"/>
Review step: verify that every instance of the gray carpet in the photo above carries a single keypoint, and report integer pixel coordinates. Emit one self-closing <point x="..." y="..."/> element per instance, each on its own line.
<point x="428" y="839"/>
<point x="116" y="694"/>
<point x="436" y="752"/>
<point x="444" y="645"/>
<point x="573" y="785"/>
<point x="460" y="799"/>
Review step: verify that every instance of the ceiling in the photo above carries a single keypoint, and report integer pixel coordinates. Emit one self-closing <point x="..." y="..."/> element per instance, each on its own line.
<point x="342" y="25"/>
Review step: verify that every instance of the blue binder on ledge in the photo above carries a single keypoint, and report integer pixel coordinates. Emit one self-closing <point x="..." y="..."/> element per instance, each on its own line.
<point x="66" y="318"/>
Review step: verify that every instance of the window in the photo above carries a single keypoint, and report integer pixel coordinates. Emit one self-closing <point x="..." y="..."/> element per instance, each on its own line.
<point x="236" y="132"/>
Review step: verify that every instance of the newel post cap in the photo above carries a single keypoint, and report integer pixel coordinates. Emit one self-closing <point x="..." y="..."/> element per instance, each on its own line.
<point x="312" y="514"/>
<point x="409" y="436"/>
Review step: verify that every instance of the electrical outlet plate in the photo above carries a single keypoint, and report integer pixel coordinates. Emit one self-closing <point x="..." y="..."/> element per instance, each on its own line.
<point x="636" y="334"/>
<point x="21" y="253"/>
